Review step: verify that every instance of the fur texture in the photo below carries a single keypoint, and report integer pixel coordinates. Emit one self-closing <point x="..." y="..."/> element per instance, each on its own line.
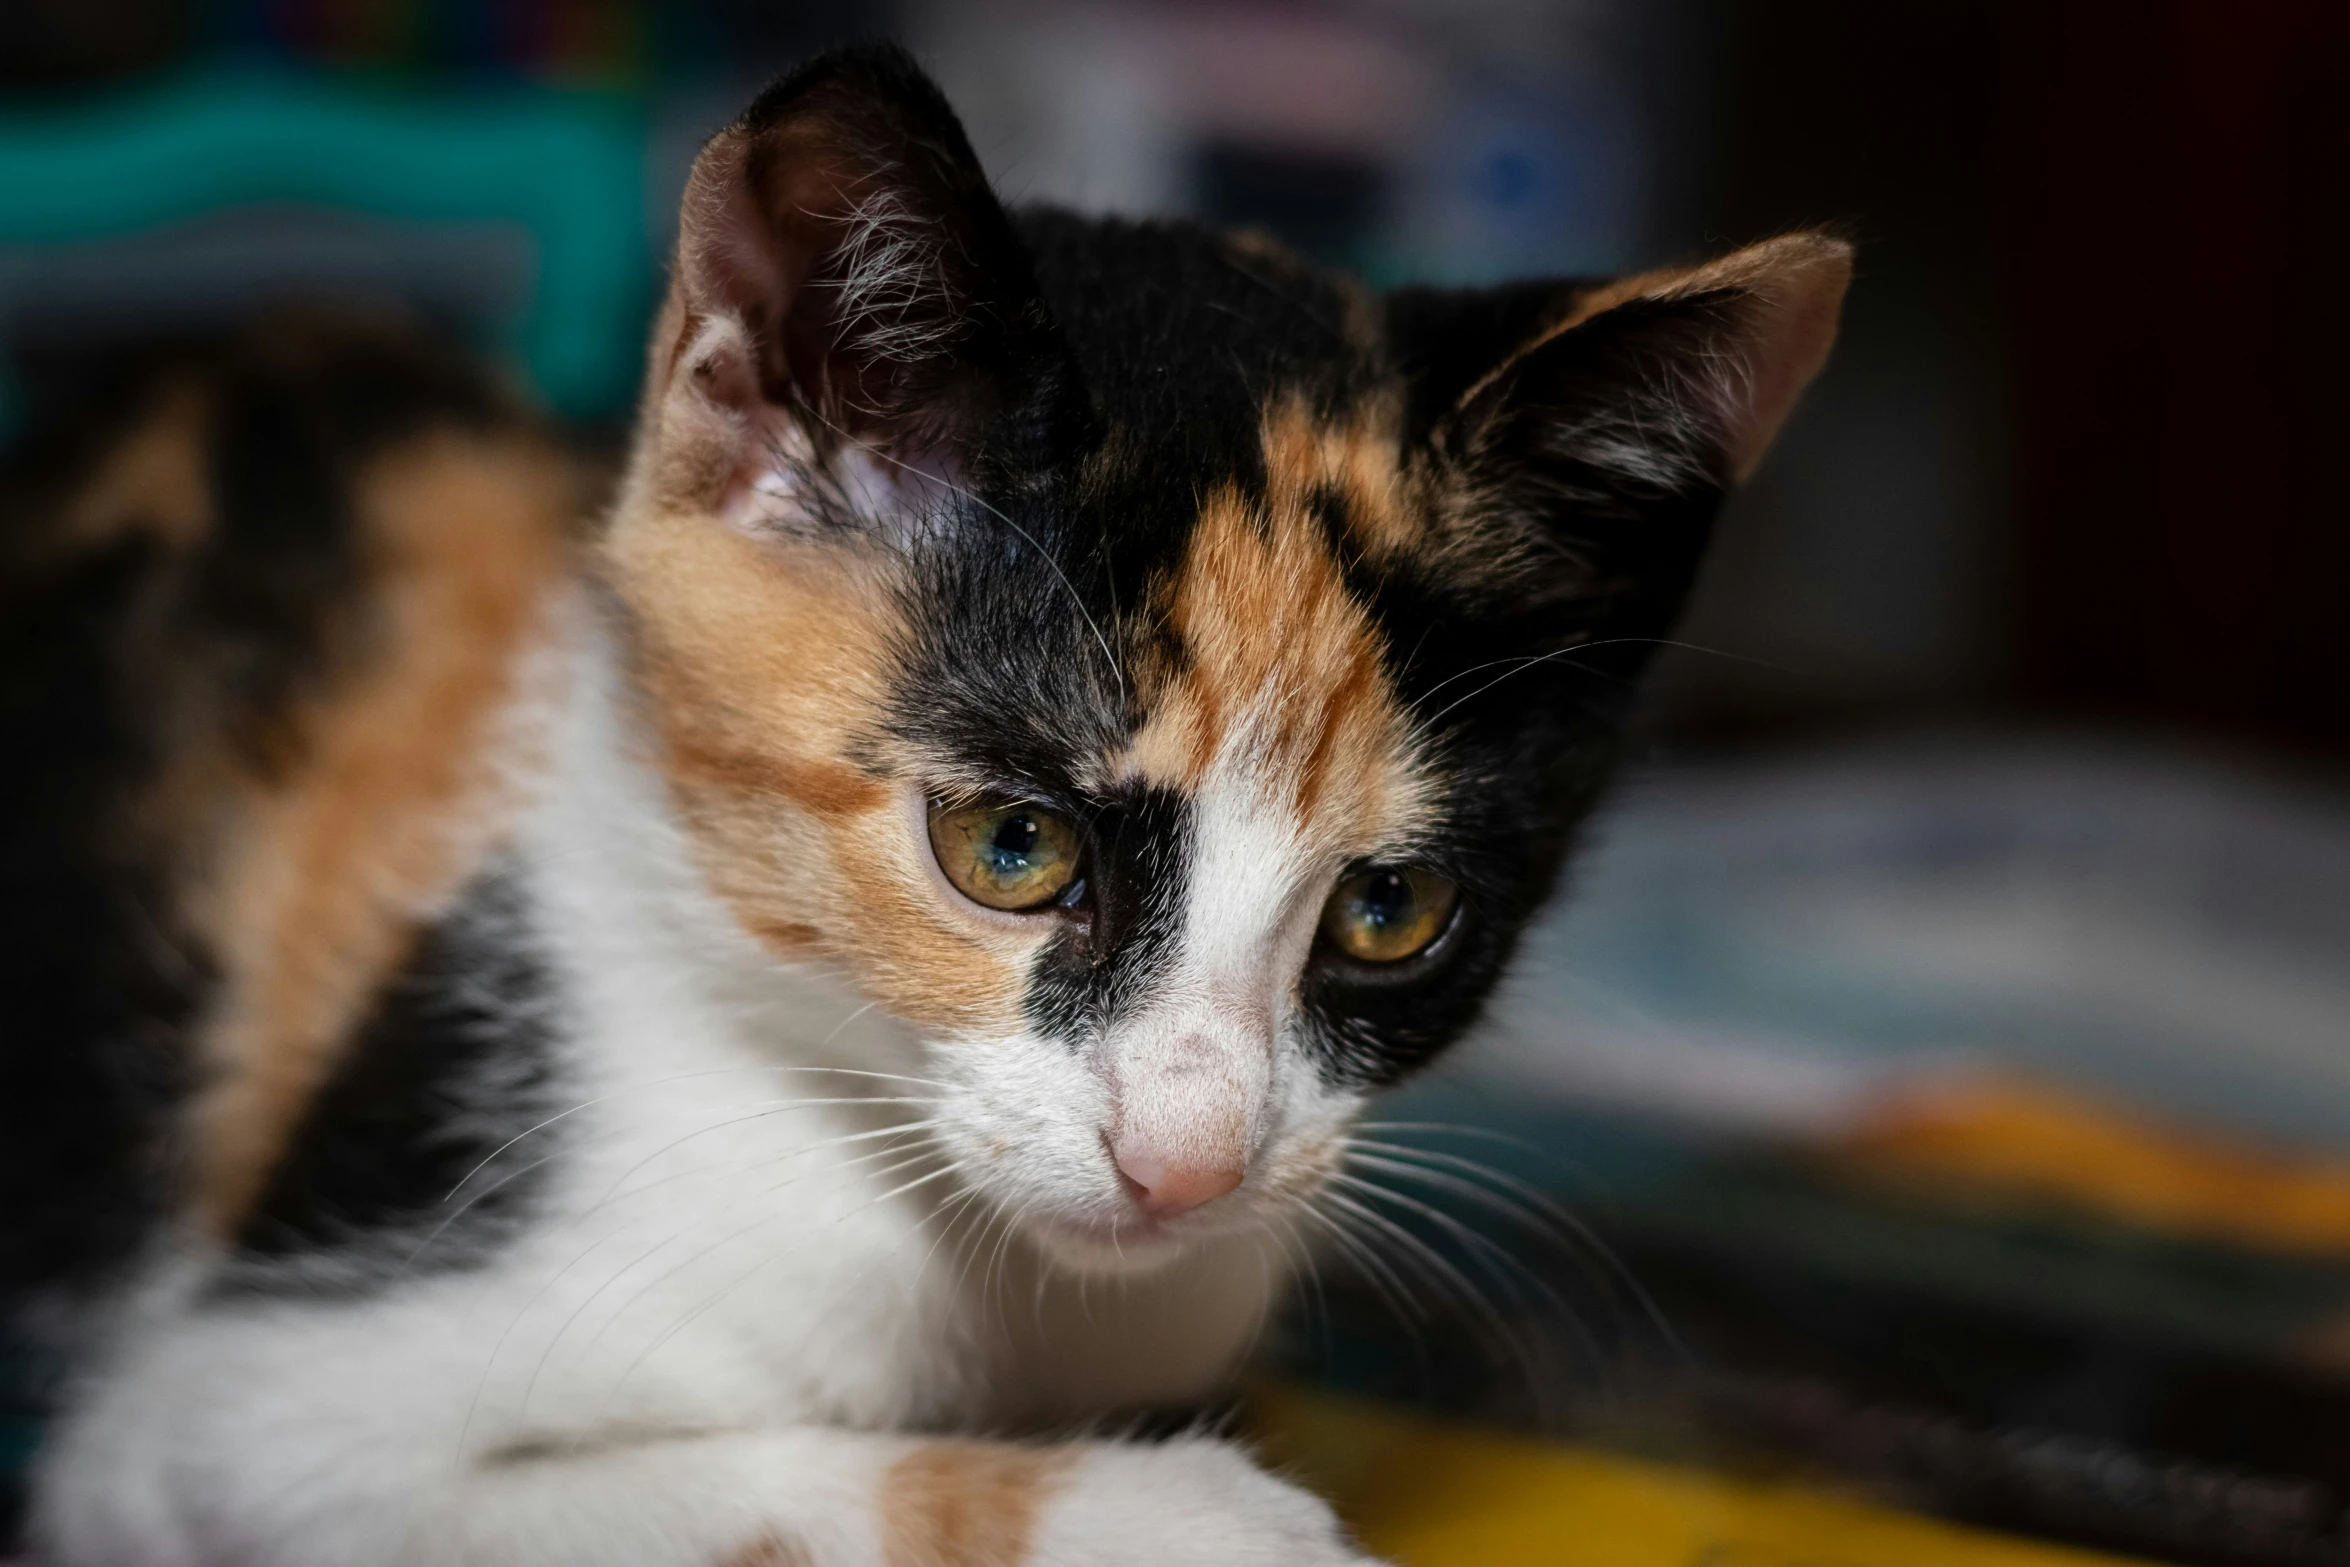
<point x="626" y="1145"/>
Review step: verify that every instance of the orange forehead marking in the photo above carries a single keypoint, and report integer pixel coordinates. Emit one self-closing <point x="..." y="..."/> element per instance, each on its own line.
<point x="1357" y="458"/>
<point x="1279" y="675"/>
<point x="966" y="1504"/>
<point x="396" y="795"/>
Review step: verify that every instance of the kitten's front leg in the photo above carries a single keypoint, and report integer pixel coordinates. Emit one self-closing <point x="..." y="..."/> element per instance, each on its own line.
<point x="918" y="1502"/>
<point x="794" y="1498"/>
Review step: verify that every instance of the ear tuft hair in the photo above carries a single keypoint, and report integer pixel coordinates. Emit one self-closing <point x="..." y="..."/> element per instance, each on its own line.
<point x="862" y="275"/>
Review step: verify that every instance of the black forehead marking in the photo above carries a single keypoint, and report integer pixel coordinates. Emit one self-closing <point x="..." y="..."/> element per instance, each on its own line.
<point x="1006" y="660"/>
<point x="1182" y="339"/>
<point x="1180" y="336"/>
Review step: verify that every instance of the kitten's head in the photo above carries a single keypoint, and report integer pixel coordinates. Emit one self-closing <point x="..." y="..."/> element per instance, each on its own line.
<point x="1162" y="672"/>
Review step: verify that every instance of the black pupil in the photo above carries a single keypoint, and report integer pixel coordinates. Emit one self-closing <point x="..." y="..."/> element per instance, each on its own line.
<point x="1387" y="899"/>
<point x="1015" y="837"/>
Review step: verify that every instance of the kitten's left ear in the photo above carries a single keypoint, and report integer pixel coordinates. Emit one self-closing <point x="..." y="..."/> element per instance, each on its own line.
<point x="1594" y="427"/>
<point x="844" y="271"/>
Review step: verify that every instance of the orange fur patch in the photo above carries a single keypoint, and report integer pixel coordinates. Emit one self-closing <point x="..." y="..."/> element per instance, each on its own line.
<point x="966" y="1504"/>
<point x="765" y="664"/>
<point x="1280" y="676"/>
<point x="325" y="873"/>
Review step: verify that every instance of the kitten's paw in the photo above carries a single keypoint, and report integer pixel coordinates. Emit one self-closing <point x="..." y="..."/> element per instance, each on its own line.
<point x="1186" y="1502"/>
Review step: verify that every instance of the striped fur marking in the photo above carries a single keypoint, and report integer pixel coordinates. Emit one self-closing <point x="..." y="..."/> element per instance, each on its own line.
<point x="325" y="873"/>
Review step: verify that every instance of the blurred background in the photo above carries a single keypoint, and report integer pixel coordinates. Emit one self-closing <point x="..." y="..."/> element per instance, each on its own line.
<point x="1944" y="1066"/>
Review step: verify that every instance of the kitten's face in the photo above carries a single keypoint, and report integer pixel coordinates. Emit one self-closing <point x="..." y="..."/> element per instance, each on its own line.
<point x="1164" y="675"/>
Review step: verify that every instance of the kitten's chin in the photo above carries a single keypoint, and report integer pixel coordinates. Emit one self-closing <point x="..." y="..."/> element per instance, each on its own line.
<point x="1095" y="1250"/>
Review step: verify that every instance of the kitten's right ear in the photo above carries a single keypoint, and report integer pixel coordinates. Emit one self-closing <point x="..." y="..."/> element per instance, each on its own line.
<point x="844" y="274"/>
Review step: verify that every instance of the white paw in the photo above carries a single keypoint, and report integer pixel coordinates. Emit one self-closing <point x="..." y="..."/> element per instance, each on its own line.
<point x="1185" y="1502"/>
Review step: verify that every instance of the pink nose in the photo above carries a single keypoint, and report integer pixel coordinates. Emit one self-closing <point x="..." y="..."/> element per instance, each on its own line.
<point x="1164" y="1188"/>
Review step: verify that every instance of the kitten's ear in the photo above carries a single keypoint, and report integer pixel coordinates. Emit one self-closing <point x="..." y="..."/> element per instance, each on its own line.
<point x="843" y="269"/>
<point x="1600" y="424"/>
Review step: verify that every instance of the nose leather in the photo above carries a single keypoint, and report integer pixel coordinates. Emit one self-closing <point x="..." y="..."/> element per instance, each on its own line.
<point x="1164" y="1188"/>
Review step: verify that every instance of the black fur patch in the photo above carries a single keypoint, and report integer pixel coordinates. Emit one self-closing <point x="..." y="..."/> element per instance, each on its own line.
<point x="1445" y="340"/>
<point x="1124" y="934"/>
<point x="407" y="1157"/>
<point x="97" y="986"/>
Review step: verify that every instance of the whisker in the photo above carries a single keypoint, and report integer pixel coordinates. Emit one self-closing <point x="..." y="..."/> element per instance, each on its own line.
<point x="895" y="1130"/>
<point x="1358" y="1248"/>
<point x="920" y="1180"/>
<point x="1539" y="1212"/>
<point x="1522" y="664"/>
<point x="671" y="1272"/>
<point x="683" y="1077"/>
<point x="1524" y="1204"/>
<point x="842" y="1027"/>
<point x="511" y="1176"/>
<point x="1466" y="1234"/>
<point x="1423" y="1255"/>
<point x="1390" y="1290"/>
<point x="948" y="1217"/>
<point x="1445" y="1271"/>
<point x="1498" y="1257"/>
<point x="666" y="1274"/>
<point x="775" y="1107"/>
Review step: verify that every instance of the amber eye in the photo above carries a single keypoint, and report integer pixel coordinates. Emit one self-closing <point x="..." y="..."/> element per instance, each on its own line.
<point x="1014" y="857"/>
<point x="1388" y="912"/>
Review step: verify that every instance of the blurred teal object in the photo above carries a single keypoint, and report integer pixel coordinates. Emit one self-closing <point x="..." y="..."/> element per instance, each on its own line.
<point x="563" y="172"/>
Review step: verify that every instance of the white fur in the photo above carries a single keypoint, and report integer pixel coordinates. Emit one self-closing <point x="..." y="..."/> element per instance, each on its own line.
<point x="726" y="1320"/>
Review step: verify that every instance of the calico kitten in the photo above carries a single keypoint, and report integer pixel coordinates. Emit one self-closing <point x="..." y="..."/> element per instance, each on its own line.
<point x="698" y="1044"/>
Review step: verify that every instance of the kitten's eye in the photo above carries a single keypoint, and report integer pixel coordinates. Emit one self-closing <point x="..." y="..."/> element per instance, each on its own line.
<point x="1388" y="912"/>
<point x="1014" y="857"/>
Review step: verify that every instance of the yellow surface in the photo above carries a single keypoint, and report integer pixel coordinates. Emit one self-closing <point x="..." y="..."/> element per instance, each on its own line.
<point x="1426" y="1495"/>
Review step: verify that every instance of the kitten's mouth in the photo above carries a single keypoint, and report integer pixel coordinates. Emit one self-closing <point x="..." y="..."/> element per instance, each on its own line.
<point x="1133" y="1242"/>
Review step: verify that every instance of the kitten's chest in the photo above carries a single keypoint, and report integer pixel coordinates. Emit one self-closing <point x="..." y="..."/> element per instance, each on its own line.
<point x="763" y="1260"/>
<point x="748" y="1257"/>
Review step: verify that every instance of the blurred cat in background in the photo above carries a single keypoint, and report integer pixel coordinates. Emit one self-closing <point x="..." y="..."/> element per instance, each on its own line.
<point x="722" y="1034"/>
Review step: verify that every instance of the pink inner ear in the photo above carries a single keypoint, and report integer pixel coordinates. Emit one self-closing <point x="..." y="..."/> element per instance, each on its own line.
<point x="830" y="270"/>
